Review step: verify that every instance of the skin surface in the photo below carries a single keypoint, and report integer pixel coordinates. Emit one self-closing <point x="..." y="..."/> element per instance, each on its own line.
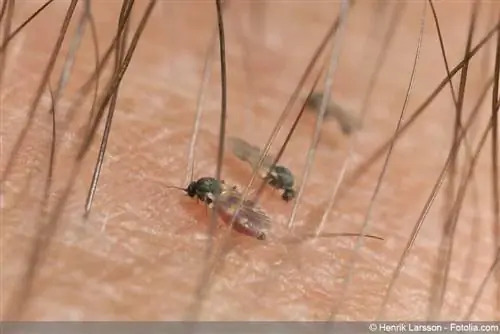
<point x="140" y="254"/>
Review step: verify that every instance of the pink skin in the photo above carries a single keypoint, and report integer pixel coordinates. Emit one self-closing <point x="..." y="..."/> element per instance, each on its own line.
<point x="140" y="254"/>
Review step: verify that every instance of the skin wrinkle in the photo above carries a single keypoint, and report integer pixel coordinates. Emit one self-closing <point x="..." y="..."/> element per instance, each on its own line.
<point x="145" y="264"/>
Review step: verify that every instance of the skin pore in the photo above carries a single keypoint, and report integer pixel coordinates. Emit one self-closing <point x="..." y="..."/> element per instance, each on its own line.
<point x="142" y="250"/>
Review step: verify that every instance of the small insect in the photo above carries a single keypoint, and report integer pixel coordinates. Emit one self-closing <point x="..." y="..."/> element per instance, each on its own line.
<point x="278" y="177"/>
<point x="347" y="120"/>
<point x="250" y="220"/>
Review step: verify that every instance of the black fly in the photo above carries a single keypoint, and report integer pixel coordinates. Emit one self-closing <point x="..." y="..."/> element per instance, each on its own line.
<point x="250" y="220"/>
<point x="278" y="177"/>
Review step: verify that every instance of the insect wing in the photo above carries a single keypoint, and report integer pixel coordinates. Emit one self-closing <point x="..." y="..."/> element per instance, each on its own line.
<point x="249" y="153"/>
<point x="250" y="220"/>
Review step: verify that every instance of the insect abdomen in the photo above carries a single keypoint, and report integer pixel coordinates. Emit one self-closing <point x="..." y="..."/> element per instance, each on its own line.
<point x="241" y="225"/>
<point x="249" y="220"/>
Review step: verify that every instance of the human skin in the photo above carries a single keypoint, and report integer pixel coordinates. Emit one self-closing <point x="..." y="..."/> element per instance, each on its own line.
<point x="141" y="252"/>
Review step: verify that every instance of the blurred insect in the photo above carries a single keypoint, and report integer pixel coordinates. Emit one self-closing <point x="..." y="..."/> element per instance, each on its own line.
<point x="250" y="220"/>
<point x="347" y="120"/>
<point x="278" y="177"/>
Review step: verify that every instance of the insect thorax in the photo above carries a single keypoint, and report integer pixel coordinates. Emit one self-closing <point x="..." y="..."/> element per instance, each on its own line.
<point x="281" y="177"/>
<point x="206" y="189"/>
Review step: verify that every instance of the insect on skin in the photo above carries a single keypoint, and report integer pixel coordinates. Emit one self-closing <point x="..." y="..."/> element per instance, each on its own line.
<point x="278" y="177"/>
<point x="347" y="120"/>
<point x="250" y="220"/>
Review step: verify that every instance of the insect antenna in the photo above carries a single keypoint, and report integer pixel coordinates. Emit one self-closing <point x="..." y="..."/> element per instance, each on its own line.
<point x="176" y="187"/>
